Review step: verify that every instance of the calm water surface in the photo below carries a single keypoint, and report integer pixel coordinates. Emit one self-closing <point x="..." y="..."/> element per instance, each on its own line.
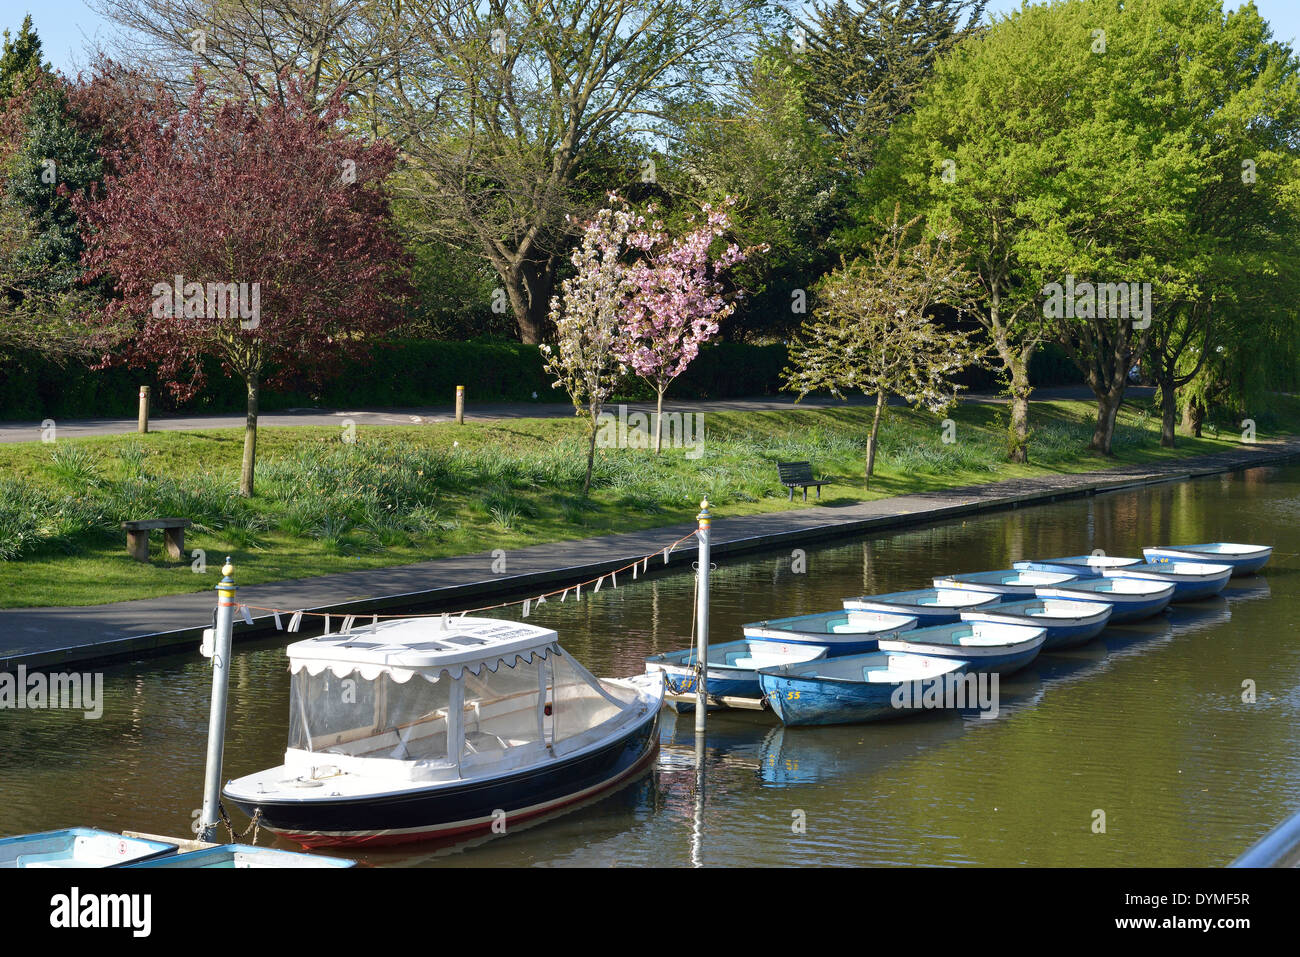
<point x="1146" y="724"/>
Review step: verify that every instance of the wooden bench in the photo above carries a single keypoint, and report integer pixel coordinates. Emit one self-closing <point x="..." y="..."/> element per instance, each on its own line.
<point x="137" y="537"/>
<point x="799" y="475"/>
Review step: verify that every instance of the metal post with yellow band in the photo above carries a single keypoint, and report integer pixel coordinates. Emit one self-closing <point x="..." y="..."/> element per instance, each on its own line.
<point x="702" y="618"/>
<point x="221" y="639"/>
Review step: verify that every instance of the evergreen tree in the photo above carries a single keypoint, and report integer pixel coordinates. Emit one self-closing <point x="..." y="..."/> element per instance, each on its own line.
<point x="865" y="62"/>
<point x="55" y="161"/>
<point x="20" y="60"/>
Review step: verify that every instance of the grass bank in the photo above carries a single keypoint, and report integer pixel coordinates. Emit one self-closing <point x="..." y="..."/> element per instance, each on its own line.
<point x="404" y="494"/>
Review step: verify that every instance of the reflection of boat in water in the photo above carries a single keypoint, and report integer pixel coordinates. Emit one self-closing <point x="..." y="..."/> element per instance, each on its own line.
<point x="1247" y="589"/>
<point x="792" y="757"/>
<point x="732" y="739"/>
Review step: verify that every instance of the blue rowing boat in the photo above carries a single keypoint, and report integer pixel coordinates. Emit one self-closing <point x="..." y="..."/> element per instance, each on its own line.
<point x="226" y="856"/>
<point x="1014" y="583"/>
<point x="870" y="687"/>
<point x="79" y="847"/>
<point x="929" y="606"/>
<point x="1067" y="623"/>
<point x="1244" y="559"/>
<point x="733" y="668"/>
<point x="1191" y="580"/>
<point x="1085" y="566"/>
<point x="984" y="646"/>
<point x="840" y="632"/>
<point x="1132" y="598"/>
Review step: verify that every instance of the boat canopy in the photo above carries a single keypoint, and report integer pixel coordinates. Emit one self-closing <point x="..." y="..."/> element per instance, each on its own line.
<point x="428" y="647"/>
<point x="491" y="692"/>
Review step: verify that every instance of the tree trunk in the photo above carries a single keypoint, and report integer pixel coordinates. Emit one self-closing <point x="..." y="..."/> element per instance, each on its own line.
<point x="250" y="436"/>
<point x="591" y="458"/>
<point x="1193" y="415"/>
<point x="528" y="286"/>
<point x="1016" y="362"/>
<point x="1018" y="367"/>
<point x="659" y="422"/>
<point x="1019" y="451"/>
<point x="1108" y="404"/>
<point x="871" y="440"/>
<point x="1168" y="412"/>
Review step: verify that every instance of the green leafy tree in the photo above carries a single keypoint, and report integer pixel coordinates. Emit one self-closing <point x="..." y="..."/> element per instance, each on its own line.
<point x="757" y="145"/>
<point x="872" y="330"/>
<point x="1087" y="149"/>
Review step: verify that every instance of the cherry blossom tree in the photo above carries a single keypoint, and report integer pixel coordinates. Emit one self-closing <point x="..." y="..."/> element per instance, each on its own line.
<point x="677" y="299"/>
<point x="584" y="358"/>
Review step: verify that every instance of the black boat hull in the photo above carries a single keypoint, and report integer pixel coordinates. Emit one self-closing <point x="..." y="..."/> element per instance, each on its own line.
<point x="460" y="809"/>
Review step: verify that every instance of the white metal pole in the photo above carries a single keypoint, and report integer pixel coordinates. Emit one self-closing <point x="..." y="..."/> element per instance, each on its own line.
<point x="702" y="618"/>
<point x="226" y="591"/>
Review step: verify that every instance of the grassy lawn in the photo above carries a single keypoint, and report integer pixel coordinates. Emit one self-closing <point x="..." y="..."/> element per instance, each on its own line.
<point x="404" y="494"/>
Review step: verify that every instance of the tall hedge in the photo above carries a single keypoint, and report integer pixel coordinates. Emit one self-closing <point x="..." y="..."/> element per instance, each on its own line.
<point x="411" y="373"/>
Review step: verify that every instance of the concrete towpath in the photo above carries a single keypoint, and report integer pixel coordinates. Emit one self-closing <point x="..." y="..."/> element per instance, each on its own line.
<point x="56" y="638"/>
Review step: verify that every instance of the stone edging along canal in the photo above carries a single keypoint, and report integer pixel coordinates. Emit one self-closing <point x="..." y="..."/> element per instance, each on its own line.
<point x="52" y="638"/>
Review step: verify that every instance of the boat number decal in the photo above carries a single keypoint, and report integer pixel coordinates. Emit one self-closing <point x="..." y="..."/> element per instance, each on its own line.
<point x="791" y="695"/>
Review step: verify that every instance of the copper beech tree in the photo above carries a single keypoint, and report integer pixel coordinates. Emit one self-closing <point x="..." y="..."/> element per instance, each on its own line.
<point x="255" y="235"/>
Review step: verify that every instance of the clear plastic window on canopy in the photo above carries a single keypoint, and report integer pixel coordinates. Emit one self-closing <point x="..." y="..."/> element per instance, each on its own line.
<point x="529" y="703"/>
<point x="502" y="707"/>
<point x="379" y="718"/>
<point x="579" y="702"/>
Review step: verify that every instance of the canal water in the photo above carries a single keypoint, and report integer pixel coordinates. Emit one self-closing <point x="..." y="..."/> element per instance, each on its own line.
<point x="1140" y="748"/>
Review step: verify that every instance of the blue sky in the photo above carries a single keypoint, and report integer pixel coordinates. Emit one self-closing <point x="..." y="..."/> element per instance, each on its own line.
<point x="67" y="26"/>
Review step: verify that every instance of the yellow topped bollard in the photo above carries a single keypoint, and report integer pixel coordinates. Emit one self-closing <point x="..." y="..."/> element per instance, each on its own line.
<point x="705" y="520"/>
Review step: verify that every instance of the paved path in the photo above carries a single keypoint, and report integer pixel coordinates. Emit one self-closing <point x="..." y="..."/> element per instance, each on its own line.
<point x="56" y="637"/>
<point x="426" y="415"/>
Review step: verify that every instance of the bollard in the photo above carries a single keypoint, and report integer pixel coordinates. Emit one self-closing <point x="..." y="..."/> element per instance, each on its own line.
<point x="143" y="425"/>
<point x="702" y="619"/>
<point x="460" y="405"/>
<point x="226" y="591"/>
